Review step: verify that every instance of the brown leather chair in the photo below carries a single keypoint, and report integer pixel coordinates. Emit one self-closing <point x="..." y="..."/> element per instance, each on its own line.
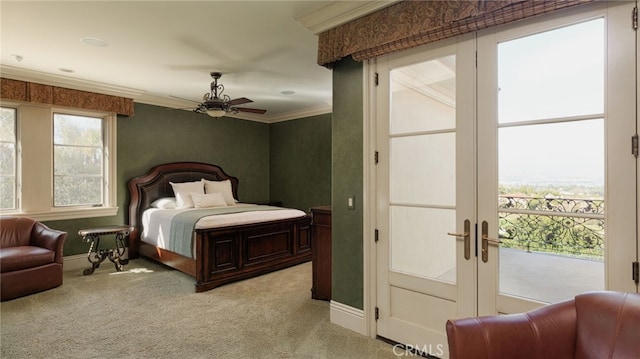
<point x="30" y="257"/>
<point x="593" y="325"/>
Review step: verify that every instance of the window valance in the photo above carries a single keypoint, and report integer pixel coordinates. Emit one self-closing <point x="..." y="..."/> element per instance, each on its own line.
<point x="44" y="94"/>
<point x="408" y="24"/>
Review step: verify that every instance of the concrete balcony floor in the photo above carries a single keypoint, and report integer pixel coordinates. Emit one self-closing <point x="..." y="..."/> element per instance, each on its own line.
<point x="547" y="277"/>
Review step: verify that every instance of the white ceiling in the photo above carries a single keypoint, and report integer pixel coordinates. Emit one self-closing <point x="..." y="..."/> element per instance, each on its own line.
<point x="158" y="51"/>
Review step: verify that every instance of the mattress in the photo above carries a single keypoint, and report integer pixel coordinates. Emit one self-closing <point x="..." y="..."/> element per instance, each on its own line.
<point x="156" y="223"/>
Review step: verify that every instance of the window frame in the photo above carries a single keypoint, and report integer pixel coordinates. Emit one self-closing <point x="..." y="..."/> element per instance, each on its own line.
<point x="35" y="142"/>
<point x="59" y="115"/>
<point x="15" y="159"/>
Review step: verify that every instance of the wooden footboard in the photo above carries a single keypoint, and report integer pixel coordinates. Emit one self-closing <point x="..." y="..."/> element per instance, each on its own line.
<point x="241" y="252"/>
<point x="230" y="254"/>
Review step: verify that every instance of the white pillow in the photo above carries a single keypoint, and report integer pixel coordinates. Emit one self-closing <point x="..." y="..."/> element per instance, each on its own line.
<point x="183" y="192"/>
<point x="165" y="203"/>
<point x="223" y="187"/>
<point x="208" y="200"/>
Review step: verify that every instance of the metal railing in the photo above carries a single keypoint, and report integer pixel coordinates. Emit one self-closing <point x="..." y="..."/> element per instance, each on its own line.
<point x="557" y="225"/>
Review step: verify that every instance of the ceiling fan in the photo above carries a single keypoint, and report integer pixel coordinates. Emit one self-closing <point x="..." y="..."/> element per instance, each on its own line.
<point x="215" y="104"/>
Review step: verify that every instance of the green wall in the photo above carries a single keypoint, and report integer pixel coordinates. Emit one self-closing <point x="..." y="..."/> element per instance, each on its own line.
<point x="347" y="179"/>
<point x="300" y="153"/>
<point x="156" y="135"/>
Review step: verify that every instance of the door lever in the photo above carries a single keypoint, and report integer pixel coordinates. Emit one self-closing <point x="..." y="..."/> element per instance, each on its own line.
<point x="486" y="240"/>
<point x="467" y="238"/>
<point x="491" y="240"/>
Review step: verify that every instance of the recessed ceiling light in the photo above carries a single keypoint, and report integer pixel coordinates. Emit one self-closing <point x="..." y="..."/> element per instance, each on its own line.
<point x="66" y="70"/>
<point x="95" y="42"/>
<point x="287" y="92"/>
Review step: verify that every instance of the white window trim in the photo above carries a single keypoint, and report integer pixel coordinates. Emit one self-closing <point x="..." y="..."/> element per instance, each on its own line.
<point x="37" y="174"/>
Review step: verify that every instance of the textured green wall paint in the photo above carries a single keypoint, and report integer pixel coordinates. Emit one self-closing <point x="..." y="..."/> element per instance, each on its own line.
<point x="347" y="179"/>
<point x="156" y="135"/>
<point x="300" y="153"/>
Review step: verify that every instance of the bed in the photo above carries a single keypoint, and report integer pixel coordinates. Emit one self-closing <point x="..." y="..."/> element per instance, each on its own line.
<point x="219" y="252"/>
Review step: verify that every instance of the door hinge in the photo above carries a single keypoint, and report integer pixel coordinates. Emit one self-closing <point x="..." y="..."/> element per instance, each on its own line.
<point x="376" y="233"/>
<point x="634" y="145"/>
<point x="375" y="79"/>
<point x="377" y="313"/>
<point x="375" y="157"/>
<point x="634" y="18"/>
<point x="636" y="272"/>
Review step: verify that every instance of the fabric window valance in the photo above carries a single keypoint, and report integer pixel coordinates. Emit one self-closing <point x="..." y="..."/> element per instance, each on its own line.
<point x="59" y="96"/>
<point x="408" y="24"/>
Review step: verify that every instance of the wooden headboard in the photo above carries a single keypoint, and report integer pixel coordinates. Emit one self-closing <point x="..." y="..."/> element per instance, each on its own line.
<point x="145" y="189"/>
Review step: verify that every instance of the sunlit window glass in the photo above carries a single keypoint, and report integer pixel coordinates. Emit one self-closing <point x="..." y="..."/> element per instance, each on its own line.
<point x="78" y="160"/>
<point x="8" y="158"/>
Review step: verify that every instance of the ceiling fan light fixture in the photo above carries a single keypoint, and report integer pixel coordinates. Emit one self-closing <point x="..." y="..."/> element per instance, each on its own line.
<point x="216" y="112"/>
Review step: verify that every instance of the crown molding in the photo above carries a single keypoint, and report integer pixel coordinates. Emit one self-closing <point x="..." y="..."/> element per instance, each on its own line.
<point x="140" y="96"/>
<point x="295" y="115"/>
<point x="174" y="103"/>
<point x="20" y="74"/>
<point x="338" y="13"/>
<point x="186" y="105"/>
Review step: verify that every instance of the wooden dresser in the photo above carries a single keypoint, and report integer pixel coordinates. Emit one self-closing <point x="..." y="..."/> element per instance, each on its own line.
<point x="321" y="249"/>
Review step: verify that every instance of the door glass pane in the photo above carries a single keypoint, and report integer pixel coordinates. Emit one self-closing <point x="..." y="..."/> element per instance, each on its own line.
<point x="420" y="243"/>
<point x="563" y="155"/>
<point x="422" y="170"/>
<point x="555" y="74"/>
<point x="551" y="174"/>
<point x="423" y="96"/>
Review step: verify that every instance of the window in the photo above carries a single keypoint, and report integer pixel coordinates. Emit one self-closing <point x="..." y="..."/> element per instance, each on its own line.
<point x="8" y="162"/>
<point x="63" y="163"/>
<point x="77" y="160"/>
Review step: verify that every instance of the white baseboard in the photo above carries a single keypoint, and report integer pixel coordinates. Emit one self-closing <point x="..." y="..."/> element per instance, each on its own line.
<point x="79" y="262"/>
<point x="75" y="262"/>
<point x="347" y="317"/>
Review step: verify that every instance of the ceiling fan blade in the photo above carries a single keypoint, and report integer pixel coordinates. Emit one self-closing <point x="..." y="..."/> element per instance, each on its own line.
<point x="239" y="101"/>
<point x="250" y="110"/>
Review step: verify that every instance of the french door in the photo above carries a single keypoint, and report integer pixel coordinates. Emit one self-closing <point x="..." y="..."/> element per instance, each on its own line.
<point x="426" y="188"/>
<point x="505" y="178"/>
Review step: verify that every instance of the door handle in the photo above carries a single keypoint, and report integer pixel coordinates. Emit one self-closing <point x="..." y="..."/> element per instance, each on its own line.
<point x="467" y="238"/>
<point x="486" y="240"/>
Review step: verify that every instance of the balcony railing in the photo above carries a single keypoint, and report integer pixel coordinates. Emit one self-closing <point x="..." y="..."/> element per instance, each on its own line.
<point x="557" y="225"/>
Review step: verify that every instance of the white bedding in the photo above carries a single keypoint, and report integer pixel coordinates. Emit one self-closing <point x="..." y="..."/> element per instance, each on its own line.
<point x="156" y="223"/>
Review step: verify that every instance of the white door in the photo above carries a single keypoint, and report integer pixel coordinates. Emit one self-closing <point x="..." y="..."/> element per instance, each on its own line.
<point x="556" y="115"/>
<point x="426" y="188"/>
<point x="531" y="149"/>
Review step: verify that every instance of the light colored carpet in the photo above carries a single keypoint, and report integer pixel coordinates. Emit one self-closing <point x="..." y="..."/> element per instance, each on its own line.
<point x="150" y="311"/>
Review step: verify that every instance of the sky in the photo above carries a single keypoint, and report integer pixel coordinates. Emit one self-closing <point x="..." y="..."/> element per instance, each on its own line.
<point x="556" y="74"/>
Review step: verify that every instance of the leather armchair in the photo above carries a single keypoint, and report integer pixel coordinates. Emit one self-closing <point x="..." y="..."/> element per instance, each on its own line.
<point x="593" y="325"/>
<point x="30" y="257"/>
